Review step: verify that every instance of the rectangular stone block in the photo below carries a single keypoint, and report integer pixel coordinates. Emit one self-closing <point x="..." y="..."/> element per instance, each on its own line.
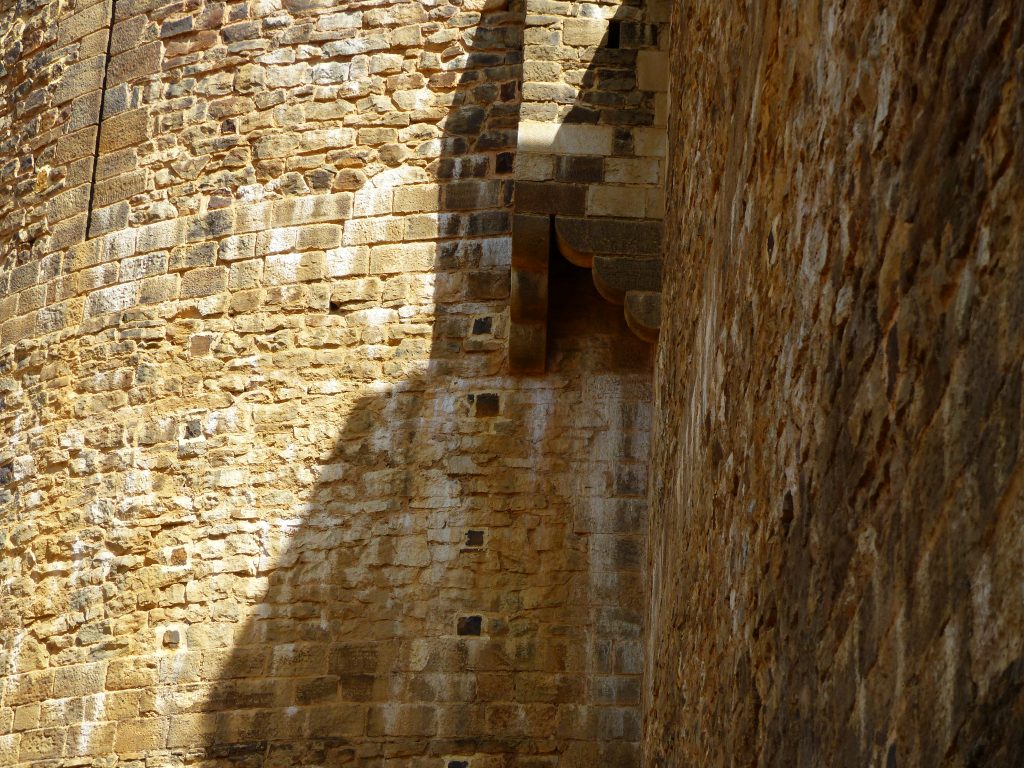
<point x="155" y="290"/>
<point x="565" y="139"/>
<point x="76" y="145"/>
<point x="551" y="197"/>
<point x="471" y="194"/>
<point x="141" y="735"/>
<point x="319" y="237"/>
<point x="69" y="203"/>
<point x="90" y="739"/>
<point x="343" y="262"/>
<point x="202" y="254"/>
<point x="407" y="257"/>
<point x="375" y="230"/>
<point x="210" y="226"/>
<point x="402" y="720"/>
<point x="128" y="32"/>
<point x="625" y="170"/>
<point x="125" y="130"/>
<point x="79" y="79"/>
<point x="603" y="200"/>
<point x="109" y="219"/>
<point x="650" y="142"/>
<point x="117" y="298"/>
<point x="294" y="268"/>
<point x="203" y="282"/>
<point x="584" y="32"/>
<point x="243" y="275"/>
<point x="120" y="187"/>
<point x="41" y="744"/>
<point x="134" y="64"/>
<point x="422" y="197"/>
<point x="162" y="235"/>
<point x="114" y="163"/>
<point x="373" y="202"/>
<point x="80" y="24"/>
<point x="652" y="70"/>
<point x="147" y="265"/>
<point x="312" y="209"/>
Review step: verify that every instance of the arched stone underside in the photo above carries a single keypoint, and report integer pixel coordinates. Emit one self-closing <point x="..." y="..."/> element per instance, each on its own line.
<point x="624" y="256"/>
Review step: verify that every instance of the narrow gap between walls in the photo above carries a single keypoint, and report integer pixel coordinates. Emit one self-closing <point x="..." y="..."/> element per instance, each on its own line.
<point x="99" y="120"/>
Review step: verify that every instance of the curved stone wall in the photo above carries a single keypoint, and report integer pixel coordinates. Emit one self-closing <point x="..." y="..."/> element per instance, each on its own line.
<point x="268" y="496"/>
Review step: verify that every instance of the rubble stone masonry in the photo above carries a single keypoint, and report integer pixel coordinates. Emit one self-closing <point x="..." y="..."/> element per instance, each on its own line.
<point x="837" y="523"/>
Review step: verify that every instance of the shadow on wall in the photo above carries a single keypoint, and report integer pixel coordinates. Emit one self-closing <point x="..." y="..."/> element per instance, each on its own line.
<point x="449" y="587"/>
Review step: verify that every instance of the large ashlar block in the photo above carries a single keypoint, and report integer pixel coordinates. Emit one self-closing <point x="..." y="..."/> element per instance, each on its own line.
<point x="313" y="209"/>
<point x="140" y="735"/>
<point x="125" y="130"/>
<point x="161" y="235"/>
<point x="343" y="262"/>
<point x="76" y="145"/>
<point x="584" y="32"/>
<point x="121" y="187"/>
<point x="79" y="79"/>
<point x="117" y="298"/>
<point x="204" y="282"/>
<point x="407" y="257"/>
<point x="630" y="170"/>
<point x="423" y="197"/>
<point x="534" y="167"/>
<point x="294" y="268"/>
<point x="134" y="64"/>
<point x="569" y="139"/>
<point x="84" y="22"/>
<point x="606" y="200"/>
<point x="652" y="70"/>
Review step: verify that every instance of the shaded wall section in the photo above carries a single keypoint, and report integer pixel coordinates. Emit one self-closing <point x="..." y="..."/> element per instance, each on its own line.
<point x="838" y="504"/>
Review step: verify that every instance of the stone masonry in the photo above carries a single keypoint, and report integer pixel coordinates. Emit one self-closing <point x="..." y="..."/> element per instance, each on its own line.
<point x="837" y="524"/>
<point x="511" y="383"/>
<point x="269" y="495"/>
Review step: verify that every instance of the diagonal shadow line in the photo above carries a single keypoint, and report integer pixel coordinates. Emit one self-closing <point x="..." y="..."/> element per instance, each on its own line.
<point x="343" y="661"/>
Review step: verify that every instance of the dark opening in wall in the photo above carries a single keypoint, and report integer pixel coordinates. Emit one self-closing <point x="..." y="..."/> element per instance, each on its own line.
<point x="585" y="330"/>
<point x="614" y="34"/>
<point x="470" y="625"/>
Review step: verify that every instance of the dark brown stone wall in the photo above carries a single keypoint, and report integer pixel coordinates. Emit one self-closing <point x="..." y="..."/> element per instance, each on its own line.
<point x="837" y="537"/>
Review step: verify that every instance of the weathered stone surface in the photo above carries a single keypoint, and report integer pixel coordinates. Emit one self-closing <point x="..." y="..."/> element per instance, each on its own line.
<point x="837" y="536"/>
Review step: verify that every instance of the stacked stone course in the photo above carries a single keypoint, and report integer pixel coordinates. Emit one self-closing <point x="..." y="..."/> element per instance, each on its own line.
<point x="268" y="494"/>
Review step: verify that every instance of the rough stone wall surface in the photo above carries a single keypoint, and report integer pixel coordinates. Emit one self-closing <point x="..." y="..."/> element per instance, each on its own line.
<point x="837" y="533"/>
<point x="267" y="494"/>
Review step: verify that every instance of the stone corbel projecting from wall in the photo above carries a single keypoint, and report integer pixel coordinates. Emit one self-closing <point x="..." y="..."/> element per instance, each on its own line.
<point x="624" y="256"/>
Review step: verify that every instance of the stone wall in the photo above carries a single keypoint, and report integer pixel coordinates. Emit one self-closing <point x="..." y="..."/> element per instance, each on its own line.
<point x="838" y="491"/>
<point x="268" y="495"/>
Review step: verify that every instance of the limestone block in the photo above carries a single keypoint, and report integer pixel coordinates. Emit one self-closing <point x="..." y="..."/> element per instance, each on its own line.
<point x="407" y="257"/>
<point x="608" y="200"/>
<point x="124" y="130"/>
<point x="621" y="170"/>
<point x="117" y="298"/>
<point x="134" y="64"/>
<point x="294" y="268"/>
<point x="203" y="282"/>
<point x="80" y="79"/>
<point x="652" y="70"/>
<point x="82" y="23"/>
<point x="120" y="187"/>
<point x="584" y="32"/>
<point x="141" y="735"/>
